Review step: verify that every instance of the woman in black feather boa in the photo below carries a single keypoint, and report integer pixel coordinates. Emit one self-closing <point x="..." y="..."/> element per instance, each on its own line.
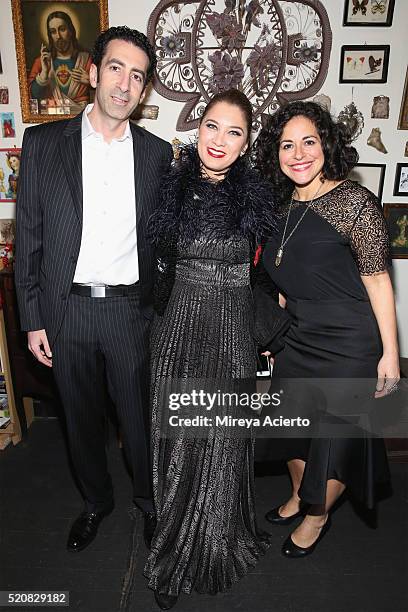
<point x="214" y="212"/>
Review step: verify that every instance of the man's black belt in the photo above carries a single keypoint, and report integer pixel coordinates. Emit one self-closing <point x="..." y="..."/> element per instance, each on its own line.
<point x="104" y="291"/>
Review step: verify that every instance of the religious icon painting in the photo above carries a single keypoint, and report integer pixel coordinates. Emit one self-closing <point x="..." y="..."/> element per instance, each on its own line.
<point x="9" y="173"/>
<point x="8" y="128"/>
<point x="4" y="95"/>
<point x="53" y="43"/>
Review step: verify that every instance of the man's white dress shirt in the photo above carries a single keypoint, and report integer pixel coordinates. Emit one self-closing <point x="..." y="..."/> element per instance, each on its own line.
<point x="108" y="253"/>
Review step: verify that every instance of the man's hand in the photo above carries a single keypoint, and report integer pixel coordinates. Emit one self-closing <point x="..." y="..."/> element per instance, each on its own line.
<point x="38" y="345"/>
<point x="80" y="76"/>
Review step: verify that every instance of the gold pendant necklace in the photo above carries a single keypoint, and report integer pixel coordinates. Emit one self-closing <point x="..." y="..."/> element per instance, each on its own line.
<point x="279" y="254"/>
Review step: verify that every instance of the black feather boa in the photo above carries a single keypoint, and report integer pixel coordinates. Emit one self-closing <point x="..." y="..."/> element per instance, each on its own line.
<point x="242" y="204"/>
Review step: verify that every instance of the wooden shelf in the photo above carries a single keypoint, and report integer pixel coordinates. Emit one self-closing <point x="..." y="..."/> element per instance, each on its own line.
<point x="7" y="430"/>
<point x="12" y="433"/>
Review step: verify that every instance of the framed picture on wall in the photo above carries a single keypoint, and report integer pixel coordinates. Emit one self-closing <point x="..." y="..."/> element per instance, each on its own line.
<point x="9" y="172"/>
<point x="368" y="13"/>
<point x="1" y="65"/>
<point x="53" y="46"/>
<point x="397" y="221"/>
<point x="403" y="117"/>
<point x="371" y="176"/>
<point x="401" y="180"/>
<point x="364" y="63"/>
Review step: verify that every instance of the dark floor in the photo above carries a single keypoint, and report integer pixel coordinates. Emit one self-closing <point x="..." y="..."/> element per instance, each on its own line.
<point x="356" y="568"/>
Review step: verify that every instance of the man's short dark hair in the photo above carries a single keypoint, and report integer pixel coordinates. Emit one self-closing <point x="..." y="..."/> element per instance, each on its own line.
<point x="134" y="37"/>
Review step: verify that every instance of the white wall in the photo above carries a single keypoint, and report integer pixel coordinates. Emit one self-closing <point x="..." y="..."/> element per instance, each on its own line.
<point x="135" y="14"/>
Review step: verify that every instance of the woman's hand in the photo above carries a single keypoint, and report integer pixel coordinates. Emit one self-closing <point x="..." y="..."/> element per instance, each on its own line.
<point x="381" y="295"/>
<point x="388" y="375"/>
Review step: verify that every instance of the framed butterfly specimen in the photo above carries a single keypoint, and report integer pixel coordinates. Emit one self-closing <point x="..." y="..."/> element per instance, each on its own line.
<point x="364" y="63"/>
<point x="368" y="13"/>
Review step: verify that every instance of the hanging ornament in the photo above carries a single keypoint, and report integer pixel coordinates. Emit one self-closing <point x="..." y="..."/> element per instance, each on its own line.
<point x="374" y="140"/>
<point x="353" y="119"/>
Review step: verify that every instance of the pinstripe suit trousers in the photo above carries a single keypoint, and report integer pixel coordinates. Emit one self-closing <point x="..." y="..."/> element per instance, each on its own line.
<point x="113" y="331"/>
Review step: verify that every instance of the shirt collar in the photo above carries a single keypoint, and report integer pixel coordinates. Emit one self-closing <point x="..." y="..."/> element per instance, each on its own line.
<point x="87" y="129"/>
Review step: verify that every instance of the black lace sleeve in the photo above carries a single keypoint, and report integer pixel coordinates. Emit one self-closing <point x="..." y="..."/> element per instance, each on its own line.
<point x="369" y="239"/>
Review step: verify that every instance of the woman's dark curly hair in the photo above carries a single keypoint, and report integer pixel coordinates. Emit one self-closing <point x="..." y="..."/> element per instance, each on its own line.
<point x="339" y="156"/>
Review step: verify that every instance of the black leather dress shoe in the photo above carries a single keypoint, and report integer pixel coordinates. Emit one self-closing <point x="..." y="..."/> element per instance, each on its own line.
<point x="85" y="528"/>
<point x="150" y="523"/>
<point x="274" y="517"/>
<point x="293" y="551"/>
<point x="165" y="602"/>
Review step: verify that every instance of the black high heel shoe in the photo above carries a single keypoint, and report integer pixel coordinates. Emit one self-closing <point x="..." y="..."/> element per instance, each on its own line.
<point x="275" y="518"/>
<point x="293" y="551"/>
<point x="165" y="602"/>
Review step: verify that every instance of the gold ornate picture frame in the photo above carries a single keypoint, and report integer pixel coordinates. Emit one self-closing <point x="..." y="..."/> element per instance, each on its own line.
<point x="396" y="216"/>
<point x="403" y="117"/>
<point x="53" y="46"/>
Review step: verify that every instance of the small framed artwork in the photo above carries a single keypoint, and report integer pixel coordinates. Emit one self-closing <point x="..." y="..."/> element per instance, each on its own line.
<point x="403" y="117"/>
<point x="364" y="63"/>
<point x="8" y="128"/>
<point x="7" y="231"/>
<point x="53" y="47"/>
<point x="1" y="65"/>
<point x="397" y="221"/>
<point x="4" y="95"/>
<point x="9" y="172"/>
<point x="7" y="239"/>
<point x="401" y="180"/>
<point x="368" y="13"/>
<point x="370" y="176"/>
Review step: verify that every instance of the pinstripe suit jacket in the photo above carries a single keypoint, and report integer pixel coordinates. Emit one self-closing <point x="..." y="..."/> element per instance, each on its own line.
<point x="49" y="217"/>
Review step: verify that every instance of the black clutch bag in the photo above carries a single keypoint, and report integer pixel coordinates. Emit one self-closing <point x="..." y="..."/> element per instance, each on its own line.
<point x="271" y="321"/>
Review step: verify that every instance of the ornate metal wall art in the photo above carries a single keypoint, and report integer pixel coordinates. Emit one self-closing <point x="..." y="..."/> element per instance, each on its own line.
<point x="273" y="50"/>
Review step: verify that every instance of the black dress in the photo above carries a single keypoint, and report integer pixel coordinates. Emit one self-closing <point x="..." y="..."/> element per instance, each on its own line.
<point x="334" y="333"/>
<point x="206" y="538"/>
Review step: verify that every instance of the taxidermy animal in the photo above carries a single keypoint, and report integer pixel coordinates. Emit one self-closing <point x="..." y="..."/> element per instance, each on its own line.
<point x="374" y="140"/>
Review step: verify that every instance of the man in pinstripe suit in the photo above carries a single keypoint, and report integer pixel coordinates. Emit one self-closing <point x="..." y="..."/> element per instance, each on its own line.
<point x="84" y="267"/>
